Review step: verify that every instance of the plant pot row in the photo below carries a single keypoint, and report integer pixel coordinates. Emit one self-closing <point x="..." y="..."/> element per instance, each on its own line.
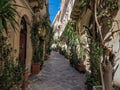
<point x="79" y="67"/>
<point x="46" y="57"/>
<point x="68" y="56"/>
<point x="36" y="67"/>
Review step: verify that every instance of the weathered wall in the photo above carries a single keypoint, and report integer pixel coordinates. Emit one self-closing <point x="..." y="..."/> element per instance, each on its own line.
<point x="15" y="36"/>
<point x="115" y="45"/>
<point x="63" y="18"/>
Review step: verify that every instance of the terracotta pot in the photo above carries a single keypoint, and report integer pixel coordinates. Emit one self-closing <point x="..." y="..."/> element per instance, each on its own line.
<point x="15" y="87"/>
<point x="81" y="67"/>
<point x="36" y="68"/>
<point x="26" y="79"/>
<point x="46" y="57"/>
<point x="68" y="56"/>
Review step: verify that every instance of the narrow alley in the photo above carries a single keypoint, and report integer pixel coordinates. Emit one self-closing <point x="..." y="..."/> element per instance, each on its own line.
<point x="59" y="44"/>
<point x="57" y="74"/>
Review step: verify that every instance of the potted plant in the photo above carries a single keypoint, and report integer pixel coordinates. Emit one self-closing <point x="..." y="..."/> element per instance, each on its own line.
<point x="97" y="87"/>
<point x="46" y="57"/>
<point x="36" y="63"/>
<point x="81" y="67"/>
<point x="37" y="58"/>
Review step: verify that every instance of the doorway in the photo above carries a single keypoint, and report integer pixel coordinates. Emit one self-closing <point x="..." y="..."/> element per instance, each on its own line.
<point x="22" y="43"/>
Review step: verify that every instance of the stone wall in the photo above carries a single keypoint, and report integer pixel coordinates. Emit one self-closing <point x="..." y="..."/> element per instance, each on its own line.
<point x="115" y="44"/>
<point x="14" y="36"/>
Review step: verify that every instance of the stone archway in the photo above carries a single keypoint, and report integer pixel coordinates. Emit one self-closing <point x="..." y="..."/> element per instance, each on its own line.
<point x="23" y="42"/>
<point x="25" y="45"/>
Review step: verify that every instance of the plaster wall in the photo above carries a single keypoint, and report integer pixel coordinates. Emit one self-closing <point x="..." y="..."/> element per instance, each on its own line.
<point x="14" y="36"/>
<point x="114" y="44"/>
<point x="65" y="12"/>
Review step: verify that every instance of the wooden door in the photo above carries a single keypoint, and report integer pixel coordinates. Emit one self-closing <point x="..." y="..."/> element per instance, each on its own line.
<point x="23" y="40"/>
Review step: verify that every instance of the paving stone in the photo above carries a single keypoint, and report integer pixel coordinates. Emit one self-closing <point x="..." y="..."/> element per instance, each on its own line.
<point x="57" y="74"/>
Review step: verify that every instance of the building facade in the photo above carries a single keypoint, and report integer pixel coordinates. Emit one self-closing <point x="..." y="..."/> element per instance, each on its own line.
<point x="30" y="11"/>
<point x="114" y="41"/>
<point x="70" y="11"/>
<point x="62" y="17"/>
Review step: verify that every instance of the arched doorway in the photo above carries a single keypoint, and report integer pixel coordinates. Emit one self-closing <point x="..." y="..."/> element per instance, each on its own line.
<point x="23" y="42"/>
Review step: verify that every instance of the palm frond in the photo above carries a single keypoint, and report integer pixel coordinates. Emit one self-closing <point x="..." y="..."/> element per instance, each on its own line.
<point x="1" y="26"/>
<point x="4" y="23"/>
<point x="7" y="14"/>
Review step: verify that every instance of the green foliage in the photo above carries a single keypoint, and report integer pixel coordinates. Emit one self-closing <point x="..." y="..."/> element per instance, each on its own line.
<point x="74" y="59"/>
<point x="12" y="74"/>
<point x="83" y="5"/>
<point x="107" y="10"/>
<point x="45" y="24"/>
<point x="41" y="52"/>
<point x="7" y="14"/>
<point x="64" y="52"/>
<point x="70" y="35"/>
<point x="92" y="79"/>
<point x="36" y="44"/>
<point x="95" y="54"/>
<point x="10" y="70"/>
<point x="5" y="51"/>
<point x="35" y="35"/>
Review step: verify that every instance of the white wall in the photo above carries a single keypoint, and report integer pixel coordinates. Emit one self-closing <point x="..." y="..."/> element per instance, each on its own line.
<point x="64" y="18"/>
<point x="115" y="44"/>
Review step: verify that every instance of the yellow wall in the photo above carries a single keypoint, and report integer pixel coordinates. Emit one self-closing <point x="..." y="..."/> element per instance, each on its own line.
<point x="15" y="36"/>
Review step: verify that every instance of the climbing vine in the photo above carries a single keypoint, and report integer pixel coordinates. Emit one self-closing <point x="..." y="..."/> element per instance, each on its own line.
<point x="36" y="44"/>
<point x="100" y="23"/>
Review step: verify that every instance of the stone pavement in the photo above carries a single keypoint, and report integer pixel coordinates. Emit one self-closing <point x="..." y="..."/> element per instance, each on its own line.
<point x="57" y="74"/>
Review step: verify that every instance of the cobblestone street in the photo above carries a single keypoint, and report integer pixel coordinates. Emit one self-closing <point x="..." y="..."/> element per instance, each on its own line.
<point x="57" y="74"/>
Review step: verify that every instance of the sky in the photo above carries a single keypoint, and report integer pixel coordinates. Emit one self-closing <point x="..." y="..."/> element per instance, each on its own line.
<point x="54" y="6"/>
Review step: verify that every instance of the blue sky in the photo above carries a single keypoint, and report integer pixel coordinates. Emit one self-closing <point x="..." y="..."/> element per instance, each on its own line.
<point x="54" y="6"/>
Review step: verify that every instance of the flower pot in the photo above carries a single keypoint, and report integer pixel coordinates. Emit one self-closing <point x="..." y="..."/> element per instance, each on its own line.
<point x="25" y="81"/>
<point x="36" y="67"/>
<point x="82" y="68"/>
<point x="68" y="56"/>
<point x="46" y="57"/>
<point x="97" y="87"/>
<point x="16" y="87"/>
